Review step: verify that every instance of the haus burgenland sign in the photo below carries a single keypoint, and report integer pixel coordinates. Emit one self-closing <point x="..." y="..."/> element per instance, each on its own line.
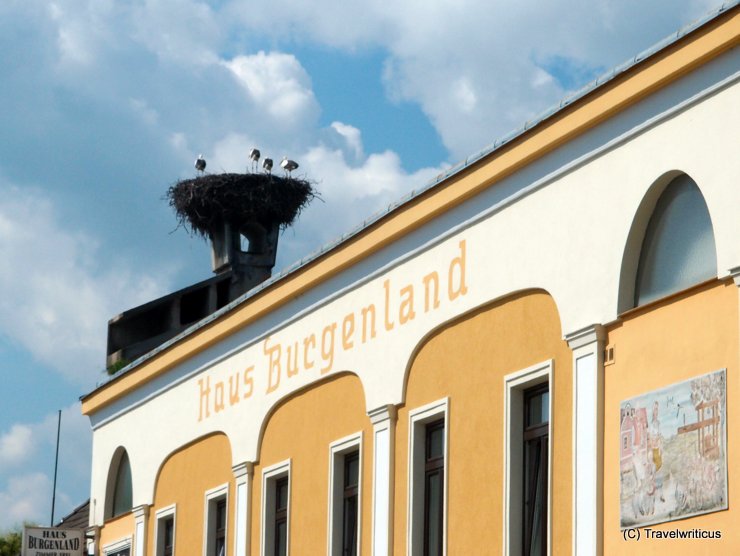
<point x="49" y="541"/>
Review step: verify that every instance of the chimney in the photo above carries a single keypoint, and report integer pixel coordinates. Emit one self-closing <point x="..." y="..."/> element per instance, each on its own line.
<point x="247" y="268"/>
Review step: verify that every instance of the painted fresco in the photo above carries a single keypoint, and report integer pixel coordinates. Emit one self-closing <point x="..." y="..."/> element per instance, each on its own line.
<point x="673" y="457"/>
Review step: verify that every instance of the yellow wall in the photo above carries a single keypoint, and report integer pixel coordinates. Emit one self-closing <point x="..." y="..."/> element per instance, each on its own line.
<point x="183" y="480"/>
<point x="116" y="529"/>
<point x="668" y="342"/>
<point x="467" y="361"/>
<point x="301" y="429"/>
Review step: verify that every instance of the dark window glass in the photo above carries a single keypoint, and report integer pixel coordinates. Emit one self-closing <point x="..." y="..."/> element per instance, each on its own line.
<point x="123" y="492"/>
<point x="349" y="510"/>
<point x="434" y="464"/>
<point x="678" y="250"/>
<point x="281" y="517"/>
<point x="536" y="417"/>
<point x="220" y="533"/>
<point x="169" y="536"/>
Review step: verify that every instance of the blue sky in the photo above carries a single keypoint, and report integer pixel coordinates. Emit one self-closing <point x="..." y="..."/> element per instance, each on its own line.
<point x="106" y="103"/>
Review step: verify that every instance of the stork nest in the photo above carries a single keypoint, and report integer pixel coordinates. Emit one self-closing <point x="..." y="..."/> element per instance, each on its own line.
<point x="203" y="203"/>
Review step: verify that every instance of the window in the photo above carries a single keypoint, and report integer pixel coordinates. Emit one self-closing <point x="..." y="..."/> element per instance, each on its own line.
<point x="220" y="532"/>
<point x="349" y="507"/>
<point x="281" y="517"/>
<point x="122" y="488"/>
<point x="276" y="510"/>
<point x="168" y="542"/>
<point x="534" y="487"/>
<point x="165" y="531"/>
<point x="527" y="481"/>
<point x="217" y="518"/>
<point x="678" y="249"/>
<point x="434" y="468"/>
<point x="345" y="472"/>
<point x="428" y="480"/>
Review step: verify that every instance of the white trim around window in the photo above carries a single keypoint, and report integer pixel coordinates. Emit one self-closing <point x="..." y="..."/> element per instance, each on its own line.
<point x="270" y="475"/>
<point x="514" y="386"/>
<point x="159" y="518"/>
<point x="418" y="419"/>
<point x="212" y="497"/>
<point x="337" y="450"/>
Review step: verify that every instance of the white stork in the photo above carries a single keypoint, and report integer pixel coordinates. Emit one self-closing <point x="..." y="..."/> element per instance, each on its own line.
<point x="254" y="156"/>
<point x="288" y="165"/>
<point x="200" y="164"/>
<point x="267" y="165"/>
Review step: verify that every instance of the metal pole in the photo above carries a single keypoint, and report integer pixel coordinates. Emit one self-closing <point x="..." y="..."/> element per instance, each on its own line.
<point x="56" y="464"/>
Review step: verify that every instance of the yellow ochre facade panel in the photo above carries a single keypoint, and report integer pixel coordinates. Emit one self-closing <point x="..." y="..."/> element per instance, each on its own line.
<point x="671" y="341"/>
<point x="301" y="429"/>
<point x="466" y="361"/>
<point x="183" y="480"/>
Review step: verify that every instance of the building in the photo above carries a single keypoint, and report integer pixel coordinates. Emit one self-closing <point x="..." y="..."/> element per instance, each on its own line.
<point x="460" y="375"/>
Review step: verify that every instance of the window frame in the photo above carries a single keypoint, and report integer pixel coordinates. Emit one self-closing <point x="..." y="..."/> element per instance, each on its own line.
<point x="270" y="476"/>
<point x="338" y="450"/>
<point x="515" y="384"/>
<point x="160" y="517"/>
<point x="419" y="418"/>
<point x="212" y="498"/>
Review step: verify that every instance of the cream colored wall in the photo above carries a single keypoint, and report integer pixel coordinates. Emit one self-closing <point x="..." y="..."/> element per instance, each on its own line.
<point x="672" y="341"/>
<point x="302" y="428"/>
<point x="466" y="361"/>
<point x="183" y="480"/>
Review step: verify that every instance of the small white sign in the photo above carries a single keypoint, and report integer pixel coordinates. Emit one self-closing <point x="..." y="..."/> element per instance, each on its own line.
<point x="51" y="541"/>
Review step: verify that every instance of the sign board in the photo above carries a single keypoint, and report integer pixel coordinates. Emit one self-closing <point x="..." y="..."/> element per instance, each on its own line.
<point x="51" y="541"/>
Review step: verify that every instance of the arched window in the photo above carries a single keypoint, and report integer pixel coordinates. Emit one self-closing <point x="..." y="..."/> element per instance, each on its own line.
<point x="122" y="488"/>
<point x="678" y="249"/>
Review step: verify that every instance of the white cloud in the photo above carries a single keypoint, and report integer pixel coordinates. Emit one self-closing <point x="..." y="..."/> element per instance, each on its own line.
<point x="472" y="66"/>
<point x="352" y="137"/>
<point x="147" y="114"/>
<point x="475" y="68"/>
<point x="57" y="300"/>
<point x="179" y="31"/>
<point x="278" y="85"/>
<point x="464" y="95"/>
<point x="16" y="445"/>
<point x="26" y="498"/>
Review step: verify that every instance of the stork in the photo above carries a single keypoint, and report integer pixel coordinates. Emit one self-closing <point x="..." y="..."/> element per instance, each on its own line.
<point x="200" y="164"/>
<point x="288" y="165"/>
<point x="267" y="165"/>
<point x="254" y="155"/>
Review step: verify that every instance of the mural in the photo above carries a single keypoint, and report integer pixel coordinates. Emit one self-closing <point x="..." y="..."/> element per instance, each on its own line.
<point x="673" y="459"/>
